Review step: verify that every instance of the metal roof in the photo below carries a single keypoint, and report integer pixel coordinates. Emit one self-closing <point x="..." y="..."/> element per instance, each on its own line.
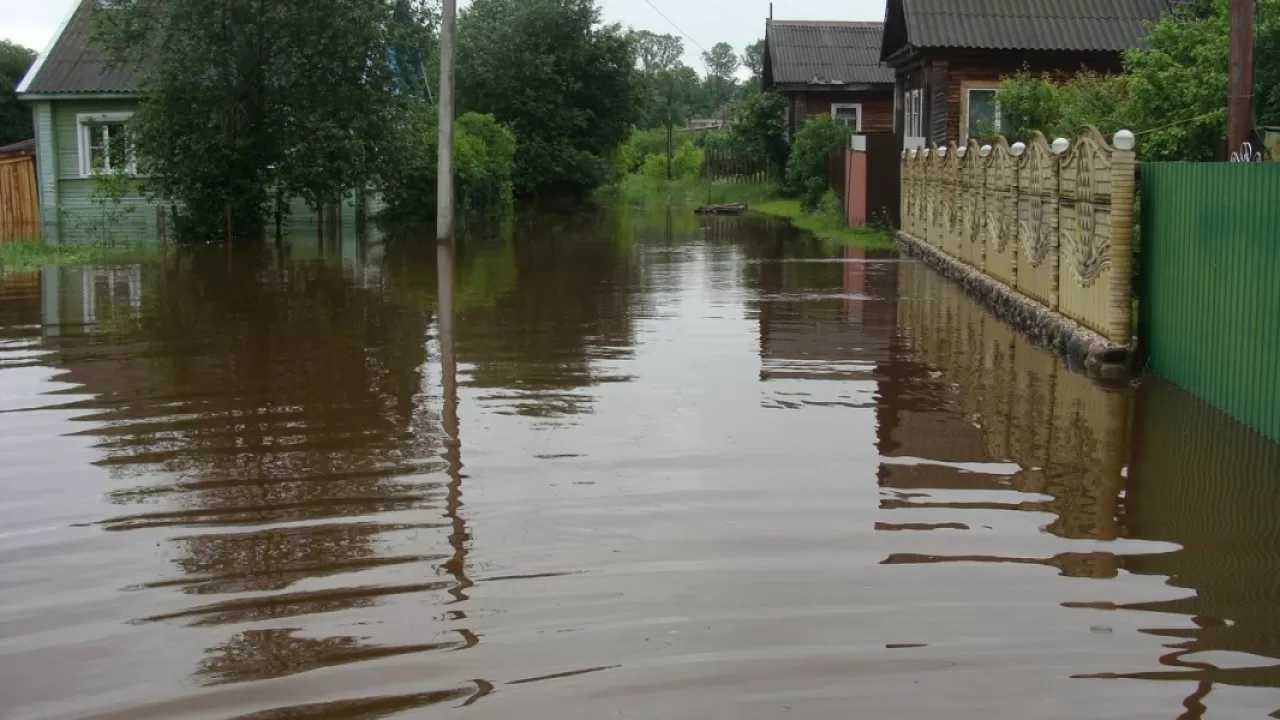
<point x="1070" y="25"/>
<point x="75" y="64"/>
<point x="826" y="53"/>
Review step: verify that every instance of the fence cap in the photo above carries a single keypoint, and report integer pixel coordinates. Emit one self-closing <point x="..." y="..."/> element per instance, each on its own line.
<point x="914" y="152"/>
<point x="926" y="152"/>
<point x="942" y="151"/>
<point x="1124" y="140"/>
<point x="962" y="151"/>
<point x="1060" y="146"/>
<point x="1018" y="149"/>
<point x="985" y="150"/>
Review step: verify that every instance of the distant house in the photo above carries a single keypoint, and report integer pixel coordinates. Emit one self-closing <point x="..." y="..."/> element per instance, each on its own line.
<point x="81" y="105"/>
<point x="829" y="68"/>
<point x="949" y="55"/>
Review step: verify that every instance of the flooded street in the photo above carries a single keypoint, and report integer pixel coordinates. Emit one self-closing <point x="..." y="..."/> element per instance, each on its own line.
<point x="637" y="466"/>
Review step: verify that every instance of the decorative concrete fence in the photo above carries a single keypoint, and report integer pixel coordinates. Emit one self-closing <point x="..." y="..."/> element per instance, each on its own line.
<point x="1052" y="222"/>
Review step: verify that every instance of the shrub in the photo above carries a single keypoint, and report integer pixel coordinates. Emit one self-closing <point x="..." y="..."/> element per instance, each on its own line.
<point x="655" y="166"/>
<point x="688" y="162"/>
<point x="484" y="160"/>
<point x="807" y="166"/>
<point x="761" y="128"/>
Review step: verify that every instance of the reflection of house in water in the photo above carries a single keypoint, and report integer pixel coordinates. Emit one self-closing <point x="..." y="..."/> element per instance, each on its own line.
<point x="272" y="420"/>
<point x="826" y="320"/>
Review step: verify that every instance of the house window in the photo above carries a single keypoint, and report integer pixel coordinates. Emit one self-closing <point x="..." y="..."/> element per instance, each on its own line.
<point x="848" y="114"/>
<point x="982" y="113"/>
<point x="104" y="144"/>
<point x="914" y="114"/>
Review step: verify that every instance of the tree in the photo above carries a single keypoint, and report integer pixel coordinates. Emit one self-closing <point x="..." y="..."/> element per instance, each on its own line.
<point x="248" y="101"/>
<point x="722" y="64"/>
<point x="753" y="60"/>
<point x="761" y="128"/>
<point x="657" y="52"/>
<point x="563" y="82"/>
<point x="15" y="118"/>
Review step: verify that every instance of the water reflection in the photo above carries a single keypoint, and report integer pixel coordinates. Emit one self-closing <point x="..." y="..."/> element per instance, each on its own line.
<point x="707" y="460"/>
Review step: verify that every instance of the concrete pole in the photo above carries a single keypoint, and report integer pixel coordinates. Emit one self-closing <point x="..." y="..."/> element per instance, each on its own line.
<point x="448" y="76"/>
<point x="1240" y="76"/>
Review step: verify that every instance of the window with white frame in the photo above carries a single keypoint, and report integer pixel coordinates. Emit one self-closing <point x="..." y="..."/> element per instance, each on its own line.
<point x="914" y="115"/>
<point x="982" y="112"/>
<point x="848" y="114"/>
<point x="104" y="144"/>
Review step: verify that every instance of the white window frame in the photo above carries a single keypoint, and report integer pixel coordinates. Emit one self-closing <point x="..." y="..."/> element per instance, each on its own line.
<point x="83" y="141"/>
<point x="846" y="106"/>
<point x="964" y="106"/>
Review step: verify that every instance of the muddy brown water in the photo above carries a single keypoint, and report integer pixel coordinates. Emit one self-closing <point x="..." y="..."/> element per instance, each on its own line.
<point x="640" y="466"/>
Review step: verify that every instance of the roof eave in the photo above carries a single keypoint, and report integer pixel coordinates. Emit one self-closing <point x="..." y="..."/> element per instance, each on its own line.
<point x="39" y="96"/>
<point x="48" y="48"/>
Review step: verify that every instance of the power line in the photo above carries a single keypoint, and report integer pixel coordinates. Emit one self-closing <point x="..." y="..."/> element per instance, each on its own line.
<point x="677" y="27"/>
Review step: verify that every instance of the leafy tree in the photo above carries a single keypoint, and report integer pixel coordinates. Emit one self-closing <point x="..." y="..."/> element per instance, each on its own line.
<point x="657" y="52"/>
<point x="562" y="81"/>
<point x="807" y="167"/>
<point x="272" y="100"/>
<point x="761" y="128"/>
<point x="753" y="60"/>
<point x="15" y="119"/>
<point x="722" y="64"/>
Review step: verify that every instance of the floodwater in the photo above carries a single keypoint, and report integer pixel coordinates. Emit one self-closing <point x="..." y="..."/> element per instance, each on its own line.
<point x="632" y="465"/>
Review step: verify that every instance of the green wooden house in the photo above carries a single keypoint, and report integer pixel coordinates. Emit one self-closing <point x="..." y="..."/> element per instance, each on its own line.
<point x="81" y="105"/>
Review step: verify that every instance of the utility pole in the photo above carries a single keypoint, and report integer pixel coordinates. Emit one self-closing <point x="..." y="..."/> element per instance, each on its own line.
<point x="1240" y="76"/>
<point x="448" y="78"/>
<point x="670" y="123"/>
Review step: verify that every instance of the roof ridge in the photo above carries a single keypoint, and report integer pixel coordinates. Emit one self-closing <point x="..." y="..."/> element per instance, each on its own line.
<point x="869" y="24"/>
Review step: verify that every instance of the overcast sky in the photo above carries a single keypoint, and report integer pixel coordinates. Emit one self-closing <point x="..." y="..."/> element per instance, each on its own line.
<point x="706" y="22"/>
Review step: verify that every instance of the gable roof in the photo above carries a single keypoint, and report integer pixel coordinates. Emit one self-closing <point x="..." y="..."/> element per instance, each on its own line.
<point x="1044" y="25"/>
<point x="73" y="63"/>
<point x="825" y="53"/>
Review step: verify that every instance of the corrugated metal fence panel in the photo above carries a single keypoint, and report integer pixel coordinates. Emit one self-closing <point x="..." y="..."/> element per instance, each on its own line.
<point x="1211" y="265"/>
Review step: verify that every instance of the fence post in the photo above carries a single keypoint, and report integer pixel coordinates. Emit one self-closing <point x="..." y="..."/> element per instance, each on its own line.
<point x="1059" y="147"/>
<point x="1120" y="292"/>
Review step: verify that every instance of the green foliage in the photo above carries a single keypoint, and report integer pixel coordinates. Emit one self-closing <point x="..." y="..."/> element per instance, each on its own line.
<point x="624" y="161"/>
<point x="719" y="141"/>
<point x="753" y="60"/>
<point x="1030" y="103"/>
<point x="484" y="162"/>
<point x="688" y="162"/>
<point x="15" y="118"/>
<point x="1178" y="82"/>
<point x="23" y="254"/>
<point x="655" y="167"/>
<point x="113" y="205"/>
<point x="281" y="100"/>
<point x="564" y="83"/>
<point x="807" y="168"/>
<point x="722" y="64"/>
<point x="761" y="128"/>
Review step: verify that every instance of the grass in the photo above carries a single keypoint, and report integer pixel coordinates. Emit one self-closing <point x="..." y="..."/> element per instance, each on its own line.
<point x="27" y="253"/>
<point x="828" y="225"/>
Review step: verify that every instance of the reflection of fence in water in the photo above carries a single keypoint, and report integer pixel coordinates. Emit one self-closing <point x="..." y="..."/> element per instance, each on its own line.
<point x="1054" y="223"/>
<point x="1020" y="404"/>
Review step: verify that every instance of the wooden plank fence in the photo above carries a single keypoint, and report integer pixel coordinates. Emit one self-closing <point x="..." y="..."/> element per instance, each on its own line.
<point x="19" y="203"/>
<point x="736" y="167"/>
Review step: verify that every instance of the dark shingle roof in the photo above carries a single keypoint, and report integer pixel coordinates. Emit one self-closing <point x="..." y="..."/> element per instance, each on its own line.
<point x="1071" y="25"/>
<point x="827" y="53"/>
<point x="76" y="64"/>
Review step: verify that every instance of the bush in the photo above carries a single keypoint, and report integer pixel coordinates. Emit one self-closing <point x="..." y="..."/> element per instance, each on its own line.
<point x="807" y="166"/>
<point x="655" y="166"/>
<point x="484" y="161"/>
<point x="688" y="162"/>
<point x="761" y="129"/>
<point x="1031" y="103"/>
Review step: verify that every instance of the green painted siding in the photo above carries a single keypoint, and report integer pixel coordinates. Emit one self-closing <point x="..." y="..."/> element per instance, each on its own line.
<point x="69" y="213"/>
<point x="81" y="219"/>
<point x="1211" y="269"/>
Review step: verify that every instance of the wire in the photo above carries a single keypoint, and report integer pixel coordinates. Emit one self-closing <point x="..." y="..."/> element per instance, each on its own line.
<point x="1182" y="122"/>
<point x="677" y="27"/>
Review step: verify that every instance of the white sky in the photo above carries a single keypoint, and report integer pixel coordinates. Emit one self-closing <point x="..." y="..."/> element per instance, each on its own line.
<point x="707" y="22"/>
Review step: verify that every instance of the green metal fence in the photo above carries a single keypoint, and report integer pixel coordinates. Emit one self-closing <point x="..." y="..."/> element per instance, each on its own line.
<point x="1210" y="284"/>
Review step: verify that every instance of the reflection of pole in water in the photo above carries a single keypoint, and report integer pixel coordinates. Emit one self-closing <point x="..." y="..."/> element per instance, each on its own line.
<point x="458" y="535"/>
